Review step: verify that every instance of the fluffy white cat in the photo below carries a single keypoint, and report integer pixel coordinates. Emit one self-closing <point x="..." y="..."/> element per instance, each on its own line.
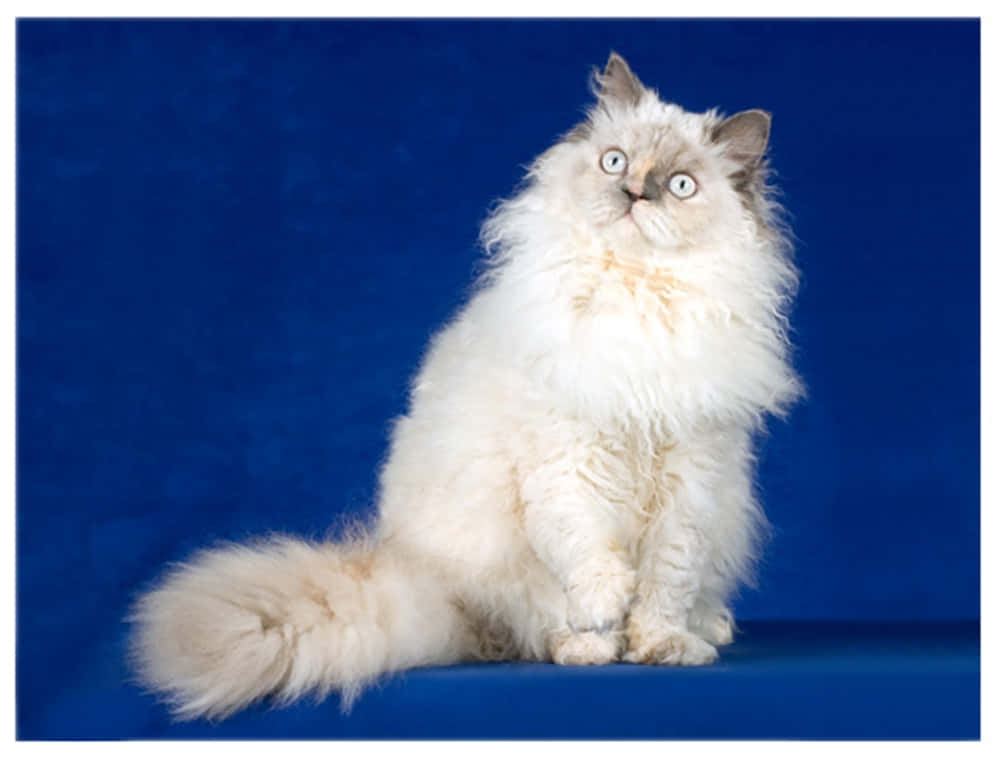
<point x="573" y="481"/>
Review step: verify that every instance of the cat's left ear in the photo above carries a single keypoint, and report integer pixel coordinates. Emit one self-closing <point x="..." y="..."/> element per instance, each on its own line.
<point x="617" y="82"/>
<point x="744" y="136"/>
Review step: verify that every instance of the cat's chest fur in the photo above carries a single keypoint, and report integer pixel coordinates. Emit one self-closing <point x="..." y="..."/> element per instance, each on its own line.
<point x="630" y="342"/>
<point x="617" y="285"/>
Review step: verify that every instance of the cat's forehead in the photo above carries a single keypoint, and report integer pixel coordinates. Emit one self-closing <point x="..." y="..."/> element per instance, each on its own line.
<point x="662" y="129"/>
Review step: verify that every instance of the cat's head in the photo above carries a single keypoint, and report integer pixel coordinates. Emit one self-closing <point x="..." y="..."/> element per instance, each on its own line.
<point x="647" y="176"/>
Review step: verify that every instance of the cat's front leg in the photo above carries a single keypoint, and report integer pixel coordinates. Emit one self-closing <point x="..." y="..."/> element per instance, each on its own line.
<point x="569" y="521"/>
<point x="672" y="561"/>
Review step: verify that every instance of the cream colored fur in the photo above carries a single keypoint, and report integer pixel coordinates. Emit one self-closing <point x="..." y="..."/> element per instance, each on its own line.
<point x="573" y="481"/>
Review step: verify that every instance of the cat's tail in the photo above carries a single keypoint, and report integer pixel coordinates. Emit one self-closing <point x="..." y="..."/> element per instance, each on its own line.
<point x="284" y="618"/>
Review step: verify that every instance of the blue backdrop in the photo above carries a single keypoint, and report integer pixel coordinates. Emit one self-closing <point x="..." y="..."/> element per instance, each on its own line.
<point x="235" y="238"/>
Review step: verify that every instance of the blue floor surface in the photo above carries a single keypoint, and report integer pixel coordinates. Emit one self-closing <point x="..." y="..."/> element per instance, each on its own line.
<point x="794" y="680"/>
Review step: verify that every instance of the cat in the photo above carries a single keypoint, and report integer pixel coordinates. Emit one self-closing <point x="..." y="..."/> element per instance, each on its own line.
<point x="573" y="480"/>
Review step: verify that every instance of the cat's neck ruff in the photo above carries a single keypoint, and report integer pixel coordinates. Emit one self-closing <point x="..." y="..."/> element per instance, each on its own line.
<point x="672" y="343"/>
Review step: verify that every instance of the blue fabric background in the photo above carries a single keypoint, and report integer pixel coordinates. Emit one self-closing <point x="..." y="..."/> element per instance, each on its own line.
<point x="235" y="238"/>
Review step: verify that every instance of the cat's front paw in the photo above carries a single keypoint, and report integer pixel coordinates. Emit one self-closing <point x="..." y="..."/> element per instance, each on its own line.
<point x="600" y="595"/>
<point x="668" y="644"/>
<point x="587" y="648"/>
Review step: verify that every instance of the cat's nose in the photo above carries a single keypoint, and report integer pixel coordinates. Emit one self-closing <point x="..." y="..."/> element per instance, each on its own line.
<point x="641" y="188"/>
<point x="632" y="194"/>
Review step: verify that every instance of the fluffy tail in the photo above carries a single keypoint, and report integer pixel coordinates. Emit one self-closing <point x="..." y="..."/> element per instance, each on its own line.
<point x="285" y="618"/>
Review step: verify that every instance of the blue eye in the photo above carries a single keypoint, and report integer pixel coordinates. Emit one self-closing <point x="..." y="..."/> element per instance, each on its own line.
<point x="614" y="161"/>
<point x="682" y="185"/>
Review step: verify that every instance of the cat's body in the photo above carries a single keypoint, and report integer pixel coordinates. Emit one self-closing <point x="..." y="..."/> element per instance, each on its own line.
<point x="573" y="480"/>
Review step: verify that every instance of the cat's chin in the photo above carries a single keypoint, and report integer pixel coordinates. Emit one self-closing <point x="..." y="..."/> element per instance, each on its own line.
<point x="628" y="232"/>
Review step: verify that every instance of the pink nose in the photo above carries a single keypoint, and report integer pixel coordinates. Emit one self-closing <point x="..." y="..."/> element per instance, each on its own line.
<point x="645" y="186"/>
<point x="633" y="187"/>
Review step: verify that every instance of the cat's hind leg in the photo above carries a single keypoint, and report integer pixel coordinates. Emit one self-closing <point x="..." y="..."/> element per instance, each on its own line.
<point x="711" y="620"/>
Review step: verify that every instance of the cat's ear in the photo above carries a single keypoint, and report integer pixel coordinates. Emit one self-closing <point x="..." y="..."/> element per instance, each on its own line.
<point x="617" y="83"/>
<point x="744" y="136"/>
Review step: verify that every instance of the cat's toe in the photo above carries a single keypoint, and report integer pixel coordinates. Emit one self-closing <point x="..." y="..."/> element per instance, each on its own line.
<point x="588" y="648"/>
<point x="670" y="646"/>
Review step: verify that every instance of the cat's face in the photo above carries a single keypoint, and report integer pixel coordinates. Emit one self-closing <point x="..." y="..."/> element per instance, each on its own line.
<point x="647" y="176"/>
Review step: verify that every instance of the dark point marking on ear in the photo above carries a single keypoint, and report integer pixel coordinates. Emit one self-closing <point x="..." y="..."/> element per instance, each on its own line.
<point x="617" y="83"/>
<point x="744" y="137"/>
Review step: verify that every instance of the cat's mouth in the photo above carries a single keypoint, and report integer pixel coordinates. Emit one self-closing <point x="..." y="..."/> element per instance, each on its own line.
<point x="650" y="223"/>
<point x="628" y="216"/>
<point x="637" y="209"/>
<point x="632" y="221"/>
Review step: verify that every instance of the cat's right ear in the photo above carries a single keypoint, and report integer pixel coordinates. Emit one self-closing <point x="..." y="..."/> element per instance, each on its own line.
<point x="617" y="83"/>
